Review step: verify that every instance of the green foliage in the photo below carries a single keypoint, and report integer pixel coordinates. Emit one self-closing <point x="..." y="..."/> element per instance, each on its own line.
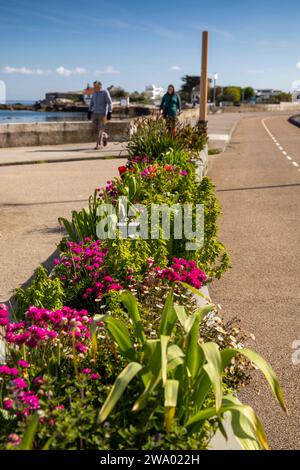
<point x="43" y="292"/>
<point x="232" y="93"/>
<point x="140" y="98"/>
<point x="84" y="222"/>
<point x="249" y="93"/>
<point x="189" y="82"/>
<point x="186" y="375"/>
<point x="152" y="138"/>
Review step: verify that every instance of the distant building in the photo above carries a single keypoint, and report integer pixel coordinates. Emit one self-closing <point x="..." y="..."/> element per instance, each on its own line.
<point x="154" y="93"/>
<point x="266" y="95"/>
<point x="296" y="96"/>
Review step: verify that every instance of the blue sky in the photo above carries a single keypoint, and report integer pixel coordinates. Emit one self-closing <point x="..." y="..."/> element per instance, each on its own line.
<point x="61" y="45"/>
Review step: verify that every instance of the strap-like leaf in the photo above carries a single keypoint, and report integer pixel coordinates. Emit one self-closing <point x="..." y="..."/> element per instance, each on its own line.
<point x="214" y="370"/>
<point x="118" y="389"/>
<point x="169" y="317"/>
<point x="120" y="334"/>
<point x="133" y="311"/>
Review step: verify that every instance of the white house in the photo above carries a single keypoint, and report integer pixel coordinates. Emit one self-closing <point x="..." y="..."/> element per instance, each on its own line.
<point x="154" y="92"/>
<point x="266" y="94"/>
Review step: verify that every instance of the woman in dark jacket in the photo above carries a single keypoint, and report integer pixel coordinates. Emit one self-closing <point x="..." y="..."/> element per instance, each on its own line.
<point x="170" y="107"/>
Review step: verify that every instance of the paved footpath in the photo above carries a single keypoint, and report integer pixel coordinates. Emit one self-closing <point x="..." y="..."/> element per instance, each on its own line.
<point x="32" y="197"/>
<point x="258" y="184"/>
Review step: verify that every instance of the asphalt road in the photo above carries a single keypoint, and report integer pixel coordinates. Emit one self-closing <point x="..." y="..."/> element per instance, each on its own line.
<point x="32" y="197"/>
<point x="258" y="183"/>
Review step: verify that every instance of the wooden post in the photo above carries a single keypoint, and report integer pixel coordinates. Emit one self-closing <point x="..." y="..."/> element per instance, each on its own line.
<point x="204" y="78"/>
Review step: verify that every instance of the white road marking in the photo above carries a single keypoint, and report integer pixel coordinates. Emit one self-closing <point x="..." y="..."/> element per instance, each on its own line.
<point x="296" y="165"/>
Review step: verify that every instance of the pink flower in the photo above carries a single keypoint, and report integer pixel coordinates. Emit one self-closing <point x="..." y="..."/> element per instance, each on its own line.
<point x="86" y="371"/>
<point x="5" y="370"/>
<point x="81" y="348"/>
<point x="95" y="376"/>
<point x="20" y="383"/>
<point x="8" y="404"/>
<point x="23" y="364"/>
<point x="14" y="439"/>
<point x="183" y="173"/>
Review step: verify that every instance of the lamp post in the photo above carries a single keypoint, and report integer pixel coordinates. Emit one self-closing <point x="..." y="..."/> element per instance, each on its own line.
<point x="204" y="81"/>
<point x="215" y="87"/>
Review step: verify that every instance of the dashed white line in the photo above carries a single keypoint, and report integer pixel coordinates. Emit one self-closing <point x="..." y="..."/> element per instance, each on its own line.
<point x="295" y="164"/>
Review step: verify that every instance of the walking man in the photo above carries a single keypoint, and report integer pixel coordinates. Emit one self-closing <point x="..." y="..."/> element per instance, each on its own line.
<point x="101" y="108"/>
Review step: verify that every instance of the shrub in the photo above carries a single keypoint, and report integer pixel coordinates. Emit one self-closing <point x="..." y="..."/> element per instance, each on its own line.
<point x="43" y="292"/>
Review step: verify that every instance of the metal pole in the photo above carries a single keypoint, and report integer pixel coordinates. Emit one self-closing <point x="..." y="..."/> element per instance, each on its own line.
<point x="204" y="80"/>
<point x="215" y="89"/>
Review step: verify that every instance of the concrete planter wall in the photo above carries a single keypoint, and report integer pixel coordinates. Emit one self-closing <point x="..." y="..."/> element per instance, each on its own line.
<point x="67" y="132"/>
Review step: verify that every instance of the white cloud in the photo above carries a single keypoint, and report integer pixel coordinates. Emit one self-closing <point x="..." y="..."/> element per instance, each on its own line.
<point x="109" y="70"/>
<point x="64" y="72"/>
<point x="25" y="71"/>
<point x="298" y="65"/>
<point x="176" y="68"/>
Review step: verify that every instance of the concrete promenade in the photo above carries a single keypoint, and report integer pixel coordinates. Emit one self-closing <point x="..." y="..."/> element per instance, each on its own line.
<point x="258" y="183"/>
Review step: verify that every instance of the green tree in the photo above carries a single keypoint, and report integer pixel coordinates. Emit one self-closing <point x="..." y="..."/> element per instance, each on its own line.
<point x="286" y="97"/>
<point x="117" y="92"/>
<point x="249" y="93"/>
<point x="141" y="98"/>
<point x="189" y="82"/>
<point x="232" y="93"/>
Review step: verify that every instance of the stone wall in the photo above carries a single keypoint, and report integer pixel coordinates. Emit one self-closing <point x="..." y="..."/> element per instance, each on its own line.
<point x="67" y="132"/>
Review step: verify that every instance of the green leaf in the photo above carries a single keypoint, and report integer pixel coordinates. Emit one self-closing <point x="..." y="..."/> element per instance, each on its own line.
<point x="171" y="393"/>
<point x="198" y="293"/>
<point x="245" y="424"/>
<point x="268" y="372"/>
<point x="185" y="320"/>
<point x="203" y="385"/>
<point x="164" y="340"/>
<point x="70" y="230"/>
<point x="214" y="369"/>
<point x="263" y="366"/>
<point x="120" y="334"/>
<point x="118" y="389"/>
<point x="131" y="305"/>
<point x="28" y="436"/>
<point x="194" y="355"/>
<point x="169" y="317"/>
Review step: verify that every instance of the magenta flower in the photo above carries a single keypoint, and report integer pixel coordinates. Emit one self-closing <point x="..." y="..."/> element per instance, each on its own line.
<point x="86" y="371"/>
<point x="95" y="376"/>
<point x="5" y="370"/>
<point x="8" y="404"/>
<point x="23" y="364"/>
<point x="183" y="173"/>
<point x="20" y="383"/>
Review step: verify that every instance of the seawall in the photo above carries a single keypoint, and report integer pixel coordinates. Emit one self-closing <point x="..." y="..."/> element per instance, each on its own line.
<point x="66" y="132"/>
